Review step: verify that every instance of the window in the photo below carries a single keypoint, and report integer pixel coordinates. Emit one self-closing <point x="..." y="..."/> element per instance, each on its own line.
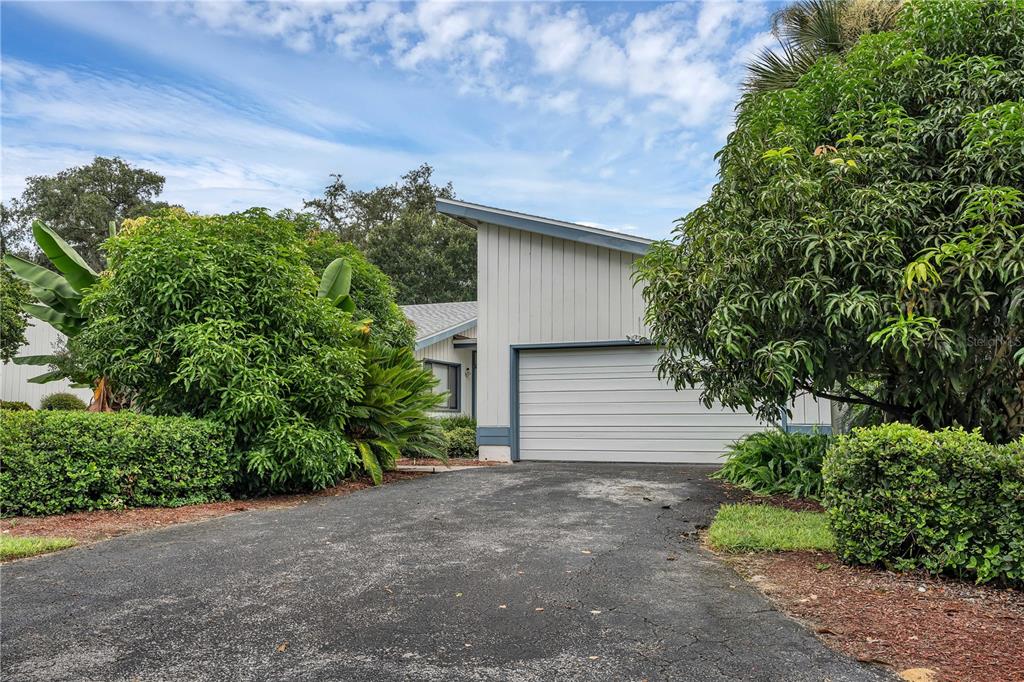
<point x="448" y="376"/>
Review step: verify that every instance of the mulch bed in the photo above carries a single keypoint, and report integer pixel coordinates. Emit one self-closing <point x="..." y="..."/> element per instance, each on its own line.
<point x="101" y="525"/>
<point x="961" y="631"/>
<point x="452" y="462"/>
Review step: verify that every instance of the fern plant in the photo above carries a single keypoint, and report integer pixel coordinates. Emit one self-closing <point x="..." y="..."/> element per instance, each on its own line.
<point x="777" y="463"/>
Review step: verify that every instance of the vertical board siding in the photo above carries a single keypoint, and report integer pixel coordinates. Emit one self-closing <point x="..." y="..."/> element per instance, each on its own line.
<point x="539" y="289"/>
<point x="14" y="386"/>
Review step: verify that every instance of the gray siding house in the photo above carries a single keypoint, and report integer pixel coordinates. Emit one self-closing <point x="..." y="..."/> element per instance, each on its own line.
<point x="563" y="363"/>
<point x="446" y="344"/>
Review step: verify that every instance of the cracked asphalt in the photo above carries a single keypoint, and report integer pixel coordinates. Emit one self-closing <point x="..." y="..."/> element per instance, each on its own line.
<point x="530" y="572"/>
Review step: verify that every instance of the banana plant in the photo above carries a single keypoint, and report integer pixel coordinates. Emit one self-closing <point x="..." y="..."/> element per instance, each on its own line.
<point x="336" y="285"/>
<point x="58" y="296"/>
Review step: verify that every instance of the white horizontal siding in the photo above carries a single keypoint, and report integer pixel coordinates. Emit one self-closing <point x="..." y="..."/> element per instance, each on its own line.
<point x="607" y="404"/>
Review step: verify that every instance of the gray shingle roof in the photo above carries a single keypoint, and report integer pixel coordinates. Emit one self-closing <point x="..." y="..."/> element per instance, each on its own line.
<point x="433" y="318"/>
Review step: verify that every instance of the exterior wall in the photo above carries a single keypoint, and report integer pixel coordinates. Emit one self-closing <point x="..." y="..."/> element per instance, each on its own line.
<point x="14" y="378"/>
<point x="538" y="289"/>
<point x="445" y="351"/>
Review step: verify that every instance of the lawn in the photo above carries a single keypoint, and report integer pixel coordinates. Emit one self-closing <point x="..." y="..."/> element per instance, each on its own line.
<point x="764" y="528"/>
<point x="19" y="548"/>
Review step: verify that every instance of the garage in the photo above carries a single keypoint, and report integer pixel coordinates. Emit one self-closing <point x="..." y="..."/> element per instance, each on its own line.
<point x="606" y="404"/>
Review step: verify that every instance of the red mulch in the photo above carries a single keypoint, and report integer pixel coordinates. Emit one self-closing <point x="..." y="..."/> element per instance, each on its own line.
<point x="101" y="525"/>
<point x="452" y="462"/>
<point x="962" y="631"/>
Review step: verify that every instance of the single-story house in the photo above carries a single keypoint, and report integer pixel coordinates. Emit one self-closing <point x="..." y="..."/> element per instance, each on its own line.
<point x="563" y="362"/>
<point x="446" y="344"/>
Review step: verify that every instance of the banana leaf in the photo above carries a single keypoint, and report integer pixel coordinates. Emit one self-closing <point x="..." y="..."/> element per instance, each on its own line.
<point x="65" y="258"/>
<point x="55" y="375"/>
<point x="67" y="324"/>
<point x="35" y="360"/>
<point x="336" y="281"/>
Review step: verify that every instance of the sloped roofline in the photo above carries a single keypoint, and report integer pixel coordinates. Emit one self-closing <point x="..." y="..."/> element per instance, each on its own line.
<point x="470" y="214"/>
<point x="444" y="334"/>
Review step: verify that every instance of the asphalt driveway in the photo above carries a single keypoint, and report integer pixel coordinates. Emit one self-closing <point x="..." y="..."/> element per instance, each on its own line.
<point x="531" y="572"/>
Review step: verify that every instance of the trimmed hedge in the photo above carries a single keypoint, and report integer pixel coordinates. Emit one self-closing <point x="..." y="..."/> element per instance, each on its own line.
<point x="14" y="405"/>
<point x="56" y="462"/>
<point x="946" y="502"/>
<point x="460" y="442"/>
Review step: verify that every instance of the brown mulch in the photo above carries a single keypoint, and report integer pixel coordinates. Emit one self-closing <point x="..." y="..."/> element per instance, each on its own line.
<point x="962" y="631"/>
<point x="101" y="525"/>
<point x="452" y="462"/>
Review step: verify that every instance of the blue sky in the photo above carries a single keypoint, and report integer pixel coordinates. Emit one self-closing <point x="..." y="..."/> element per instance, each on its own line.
<point x="602" y="113"/>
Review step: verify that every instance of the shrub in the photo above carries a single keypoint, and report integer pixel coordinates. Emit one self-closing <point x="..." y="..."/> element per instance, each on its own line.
<point x="460" y="421"/>
<point x="14" y="405"/>
<point x="777" y="463"/>
<point x="946" y="502"/>
<point x="61" y="401"/>
<point x="56" y="462"/>
<point x="217" y="317"/>
<point x="371" y="289"/>
<point x="460" y="442"/>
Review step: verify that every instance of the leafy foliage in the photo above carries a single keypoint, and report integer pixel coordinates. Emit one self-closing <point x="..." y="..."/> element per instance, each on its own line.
<point x="777" y="463"/>
<point x="865" y="240"/>
<point x="391" y="418"/>
<point x="371" y="290"/>
<point x="14" y="405"/>
<point x="80" y="203"/>
<point x="61" y="401"/>
<point x="56" y="462"/>
<point x="57" y="298"/>
<point x="429" y="257"/>
<point x="218" y="317"/>
<point x="809" y="29"/>
<point x="457" y="421"/>
<point x="460" y="443"/>
<point x="945" y="502"/>
<point x="13" y="320"/>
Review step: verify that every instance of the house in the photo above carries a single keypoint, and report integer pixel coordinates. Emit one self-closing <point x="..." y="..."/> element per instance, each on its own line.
<point x="41" y="339"/>
<point x="446" y="344"/>
<point x="563" y="362"/>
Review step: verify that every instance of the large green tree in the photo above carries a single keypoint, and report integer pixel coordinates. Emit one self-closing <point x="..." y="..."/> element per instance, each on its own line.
<point x="429" y="257"/>
<point x="79" y="203"/>
<point x="865" y="242"/>
<point x="13" y="320"/>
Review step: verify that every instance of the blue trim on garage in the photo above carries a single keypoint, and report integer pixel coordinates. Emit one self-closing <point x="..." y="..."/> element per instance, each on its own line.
<point x="545" y="226"/>
<point x="513" y="382"/>
<point x="493" y="435"/>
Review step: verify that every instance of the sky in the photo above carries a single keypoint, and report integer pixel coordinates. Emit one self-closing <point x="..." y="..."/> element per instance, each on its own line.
<point x="607" y="114"/>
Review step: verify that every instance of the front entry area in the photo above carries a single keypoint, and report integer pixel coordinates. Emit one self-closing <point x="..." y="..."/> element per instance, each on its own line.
<point x="606" y="404"/>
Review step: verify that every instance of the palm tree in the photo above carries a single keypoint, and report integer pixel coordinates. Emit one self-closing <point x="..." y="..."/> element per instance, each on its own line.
<point x="809" y="29"/>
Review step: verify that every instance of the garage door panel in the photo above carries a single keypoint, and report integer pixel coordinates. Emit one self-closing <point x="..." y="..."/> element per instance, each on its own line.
<point x="608" y="405"/>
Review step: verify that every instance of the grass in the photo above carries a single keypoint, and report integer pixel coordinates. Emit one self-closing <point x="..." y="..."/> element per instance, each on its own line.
<point x="19" y="548"/>
<point x="763" y="528"/>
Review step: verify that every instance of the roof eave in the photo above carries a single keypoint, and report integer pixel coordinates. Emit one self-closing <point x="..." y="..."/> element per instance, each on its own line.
<point x="466" y="213"/>
<point x="444" y="334"/>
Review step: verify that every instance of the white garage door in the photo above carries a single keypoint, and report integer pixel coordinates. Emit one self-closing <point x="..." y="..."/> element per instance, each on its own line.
<point x="607" y="405"/>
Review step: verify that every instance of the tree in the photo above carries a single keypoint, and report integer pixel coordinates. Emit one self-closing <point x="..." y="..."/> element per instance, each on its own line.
<point x="13" y="320"/>
<point x="865" y="241"/>
<point x="809" y="29"/>
<point x="218" y="317"/>
<point x="372" y="291"/>
<point x="80" y="203"/>
<point x="430" y="258"/>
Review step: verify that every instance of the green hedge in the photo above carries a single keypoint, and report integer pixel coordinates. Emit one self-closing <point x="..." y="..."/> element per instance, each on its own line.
<point x="946" y="502"/>
<point x="55" y="462"/>
<point x="460" y="442"/>
<point x="777" y="463"/>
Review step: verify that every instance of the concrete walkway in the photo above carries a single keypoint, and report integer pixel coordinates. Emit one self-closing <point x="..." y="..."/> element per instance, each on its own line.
<point x="529" y="572"/>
